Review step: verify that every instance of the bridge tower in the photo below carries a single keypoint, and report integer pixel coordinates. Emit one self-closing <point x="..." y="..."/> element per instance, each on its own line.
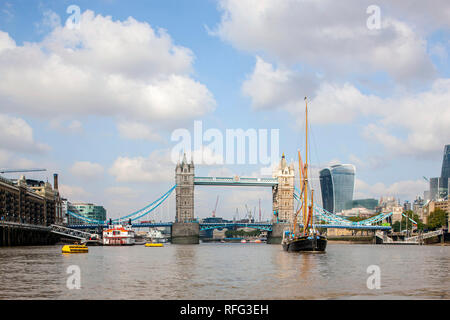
<point x="283" y="193"/>
<point x="282" y="199"/>
<point x="185" y="230"/>
<point x="184" y="178"/>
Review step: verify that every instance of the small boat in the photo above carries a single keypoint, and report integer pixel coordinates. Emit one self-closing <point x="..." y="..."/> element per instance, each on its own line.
<point x="308" y="239"/>
<point x="75" y="248"/>
<point x="243" y="241"/>
<point x="152" y="244"/>
<point x="312" y="242"/>
<point x="118" y="235"/>
<point x="155" y="235"/>
<point x="258" y="241"/>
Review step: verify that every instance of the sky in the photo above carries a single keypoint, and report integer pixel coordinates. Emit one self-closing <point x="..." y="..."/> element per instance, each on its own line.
<point x="96" y="91"/>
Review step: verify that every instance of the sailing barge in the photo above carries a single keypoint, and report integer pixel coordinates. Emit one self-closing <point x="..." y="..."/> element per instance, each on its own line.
<point x="306" y="238"/>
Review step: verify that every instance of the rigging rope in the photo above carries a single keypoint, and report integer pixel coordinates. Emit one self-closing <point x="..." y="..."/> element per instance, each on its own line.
<point x="324" y="215"/>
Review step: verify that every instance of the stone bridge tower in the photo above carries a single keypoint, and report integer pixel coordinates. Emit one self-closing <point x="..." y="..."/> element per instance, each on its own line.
<point x="184" y="178"/>
<point x="283" y="193"/>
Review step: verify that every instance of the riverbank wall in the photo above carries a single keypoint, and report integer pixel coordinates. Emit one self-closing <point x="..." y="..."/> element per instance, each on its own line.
<point x="26" y="235"/>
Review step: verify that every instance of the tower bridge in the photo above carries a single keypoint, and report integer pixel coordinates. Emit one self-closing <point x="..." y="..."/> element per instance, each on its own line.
<point x="282" y="184"/>
<point x="186" y="228"/>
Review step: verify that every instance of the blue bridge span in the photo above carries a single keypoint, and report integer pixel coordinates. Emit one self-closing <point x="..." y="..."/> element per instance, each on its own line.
<point x="229" y="225"/>
<point x="327" y="219"/>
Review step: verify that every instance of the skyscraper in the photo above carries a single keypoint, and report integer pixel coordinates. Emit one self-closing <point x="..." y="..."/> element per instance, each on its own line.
<point x="434" y="188"/>
<point x="445" y="173"/>
<point x="337" y="184"/>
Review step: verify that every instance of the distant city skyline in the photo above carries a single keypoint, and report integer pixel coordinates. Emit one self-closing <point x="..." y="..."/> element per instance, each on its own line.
<point x="439" y="185"/>
<point x="96" y="97"/>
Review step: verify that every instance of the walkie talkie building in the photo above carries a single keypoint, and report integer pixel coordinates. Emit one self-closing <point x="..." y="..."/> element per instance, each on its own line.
<point x="337" y="184"/>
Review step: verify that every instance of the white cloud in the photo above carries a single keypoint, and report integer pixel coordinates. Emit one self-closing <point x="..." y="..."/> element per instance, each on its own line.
<point x="334" y="103"/>
<point x="327" y="35"/>
<point x="75" y="126"/>
<point x="136" y="130"/>
<point x="66" y="126"/>
<point x="422" y="117"/>
<point x="17" y="135"/>
<point x="206" y="156"/>
<point x="281" y="88"/>
<point x="404" y="190"/>
<point x="110" y="68"/>
<point x="50" y="21"/>
<point x="6" y="43"/>
<point x="269" y="87"/>
<point x="9" y="160"/>
<point x="368" y="163"/>
<point x="221" y="172"/>
<point x="421" y="13"/>
<point x="7" y="12"/>
<point x="73" y="193"/>
<point x="122" y="192"/>
<point x="87" y="170"/>
<point x="157" y="167"/>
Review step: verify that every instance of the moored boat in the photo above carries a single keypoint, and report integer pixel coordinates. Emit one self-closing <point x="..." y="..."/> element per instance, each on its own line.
<point x="155" y="236"/>
<point x="118" y="235"/>
<point x="306" y="238"/>
<point x="75" y="248"/>
<point x="306" y="243"/>
<point x="152" y="244"/>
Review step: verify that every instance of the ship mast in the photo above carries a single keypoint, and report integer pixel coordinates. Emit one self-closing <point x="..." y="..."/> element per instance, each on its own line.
<point x="300" y="171"/>
<point x="305" y="176"/>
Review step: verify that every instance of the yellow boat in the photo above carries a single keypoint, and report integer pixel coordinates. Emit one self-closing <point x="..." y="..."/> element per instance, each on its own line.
<point x="149" y="244"/>
<point x="75" y="249"/>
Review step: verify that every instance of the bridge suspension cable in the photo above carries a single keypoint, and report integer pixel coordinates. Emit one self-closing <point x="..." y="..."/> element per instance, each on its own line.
<point x="146" y="207"/>
<point x="156" y="204"/>
<point x="326" y="216"/>
<point x="161" y="200"/>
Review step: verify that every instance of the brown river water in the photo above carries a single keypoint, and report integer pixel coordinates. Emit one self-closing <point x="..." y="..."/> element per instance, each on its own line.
<point x="226" y="271"/>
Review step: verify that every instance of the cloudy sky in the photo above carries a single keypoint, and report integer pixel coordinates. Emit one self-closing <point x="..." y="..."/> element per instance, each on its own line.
<point x="97" y="98"/>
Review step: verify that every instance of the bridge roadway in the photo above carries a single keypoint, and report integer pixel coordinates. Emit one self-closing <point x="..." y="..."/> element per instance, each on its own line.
<point x="235" y="181"/>
<point x="256" y="225"/>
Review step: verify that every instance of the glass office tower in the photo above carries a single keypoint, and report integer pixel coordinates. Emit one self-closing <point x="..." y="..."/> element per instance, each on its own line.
<point x="87" y="210"/>
<point x="445" y="173"/>
<point x="434" y="188"/>
<point x="337" y="184"/>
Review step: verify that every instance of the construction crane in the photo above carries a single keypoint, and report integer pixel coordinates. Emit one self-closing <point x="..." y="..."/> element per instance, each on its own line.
<point x="20" y="170"/>
<point x="259" y="210"/>
<point x="249" y="213"/>
<point x="215" y="208"/>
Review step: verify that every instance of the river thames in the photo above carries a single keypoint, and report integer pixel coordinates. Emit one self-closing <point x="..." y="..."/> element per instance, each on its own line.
<point x="211" y="271"/>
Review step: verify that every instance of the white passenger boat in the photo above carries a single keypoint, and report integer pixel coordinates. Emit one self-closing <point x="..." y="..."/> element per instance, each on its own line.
<point x="118" y="235"/>
<point x="155" y="236"/>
